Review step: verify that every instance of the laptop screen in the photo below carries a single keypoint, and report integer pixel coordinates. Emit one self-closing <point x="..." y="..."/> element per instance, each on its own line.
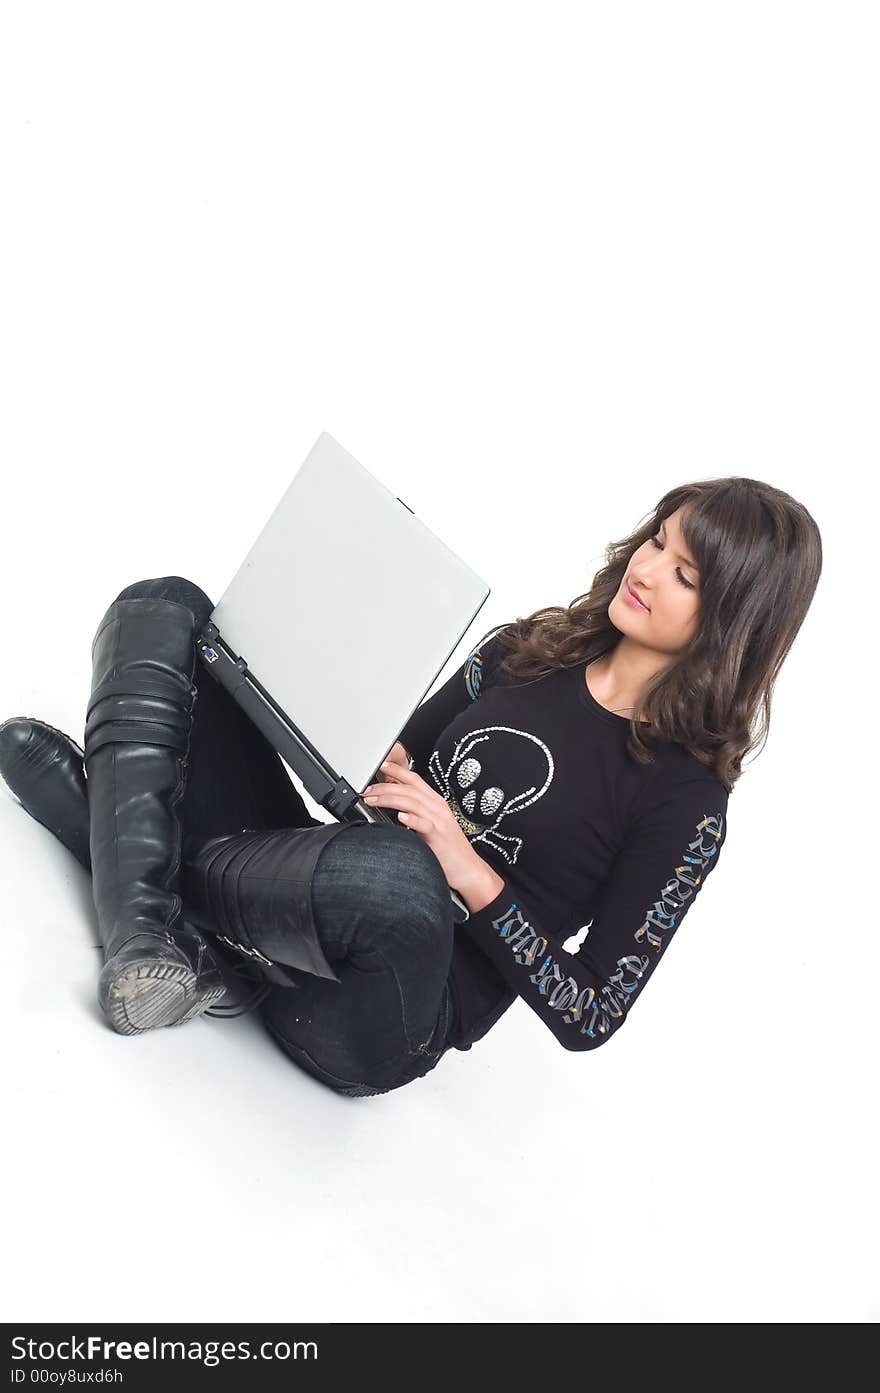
<point x="346" y="609"/>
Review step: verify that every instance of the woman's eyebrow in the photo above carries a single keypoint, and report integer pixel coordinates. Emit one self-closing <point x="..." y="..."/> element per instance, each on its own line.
<point x="683" y="558"/>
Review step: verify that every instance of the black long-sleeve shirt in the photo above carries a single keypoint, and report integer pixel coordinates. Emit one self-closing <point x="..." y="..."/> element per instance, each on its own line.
<point x="538" y="777"/>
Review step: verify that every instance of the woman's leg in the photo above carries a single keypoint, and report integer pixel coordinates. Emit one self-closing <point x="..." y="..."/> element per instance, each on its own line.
<point x="384" y="916"/>
<point x="380" y="900"/>
<point x="235" y="778"/>
<point x="157" y="971"/>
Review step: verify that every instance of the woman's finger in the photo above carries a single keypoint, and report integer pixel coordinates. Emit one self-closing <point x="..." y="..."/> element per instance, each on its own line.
<point x="397" y="771"/>
<point x="394" y="797"/>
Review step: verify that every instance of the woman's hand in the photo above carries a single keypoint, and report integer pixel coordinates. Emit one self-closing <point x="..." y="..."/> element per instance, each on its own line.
<point x="397" y="756"/>
<point x="427" y="813"/>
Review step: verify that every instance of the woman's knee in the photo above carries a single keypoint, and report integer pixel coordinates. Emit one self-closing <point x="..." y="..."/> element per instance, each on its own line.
<point x="395" y="875"/>
<point x="176" y="588"/>
<point x="416" y="888"/>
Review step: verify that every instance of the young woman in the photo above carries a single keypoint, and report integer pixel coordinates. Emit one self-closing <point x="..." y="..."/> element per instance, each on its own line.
<point x="573" y="774"/>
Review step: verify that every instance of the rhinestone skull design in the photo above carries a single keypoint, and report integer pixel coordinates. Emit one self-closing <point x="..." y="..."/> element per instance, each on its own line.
<point x="480" y="805"/>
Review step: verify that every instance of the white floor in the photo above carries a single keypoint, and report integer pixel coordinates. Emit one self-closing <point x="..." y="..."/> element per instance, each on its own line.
<point x="703" y="1165"/>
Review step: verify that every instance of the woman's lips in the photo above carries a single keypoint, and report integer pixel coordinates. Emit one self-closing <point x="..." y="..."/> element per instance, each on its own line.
<point x="632" y="599"/>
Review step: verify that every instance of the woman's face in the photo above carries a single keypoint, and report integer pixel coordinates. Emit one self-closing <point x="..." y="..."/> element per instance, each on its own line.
<point x="663" y="575"/>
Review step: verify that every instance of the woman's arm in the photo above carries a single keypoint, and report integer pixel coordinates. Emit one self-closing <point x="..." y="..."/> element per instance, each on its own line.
<point x="485" y="886"/>
<point x="583" y="998"/>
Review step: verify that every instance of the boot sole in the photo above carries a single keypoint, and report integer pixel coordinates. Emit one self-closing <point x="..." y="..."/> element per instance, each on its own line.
<point x="147" y="994"/>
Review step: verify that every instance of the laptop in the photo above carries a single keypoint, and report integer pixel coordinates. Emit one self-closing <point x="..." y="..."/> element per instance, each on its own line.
<point x="336" y="624"/>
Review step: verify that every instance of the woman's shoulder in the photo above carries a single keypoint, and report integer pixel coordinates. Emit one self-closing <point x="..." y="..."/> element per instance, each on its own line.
<point x="481" y="664"/>
<point x="676" y="771"/>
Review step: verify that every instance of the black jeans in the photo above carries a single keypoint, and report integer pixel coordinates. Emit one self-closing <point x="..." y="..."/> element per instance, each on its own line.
<point x="381" y="902"/>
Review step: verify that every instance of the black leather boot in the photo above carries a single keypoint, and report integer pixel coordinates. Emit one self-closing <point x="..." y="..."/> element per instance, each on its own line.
<point x="158" y="969"/>
<point x="254" y="891"/>
<point x="44" y="769"/>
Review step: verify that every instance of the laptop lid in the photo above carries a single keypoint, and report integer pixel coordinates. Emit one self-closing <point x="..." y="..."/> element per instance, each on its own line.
<point x="346" y="608"/>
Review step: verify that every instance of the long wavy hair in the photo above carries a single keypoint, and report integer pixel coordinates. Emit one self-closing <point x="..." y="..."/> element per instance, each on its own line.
<point x="759" y="554"/>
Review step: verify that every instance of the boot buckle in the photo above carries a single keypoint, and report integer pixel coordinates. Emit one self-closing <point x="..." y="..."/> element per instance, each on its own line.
<point x="248" y="952"/>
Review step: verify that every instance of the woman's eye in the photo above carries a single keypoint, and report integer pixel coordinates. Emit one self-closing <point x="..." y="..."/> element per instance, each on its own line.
<point x="686" y="583"/>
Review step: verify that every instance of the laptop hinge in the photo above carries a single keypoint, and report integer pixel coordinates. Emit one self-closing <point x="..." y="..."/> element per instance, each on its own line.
<point x="231" y="671"/>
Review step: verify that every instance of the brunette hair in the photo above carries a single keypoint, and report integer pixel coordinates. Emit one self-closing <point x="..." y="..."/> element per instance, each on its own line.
<point x="759" y="554"/>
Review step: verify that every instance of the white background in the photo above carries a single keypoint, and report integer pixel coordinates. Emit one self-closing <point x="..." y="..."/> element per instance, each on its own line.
<point x="533" y="265"/>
